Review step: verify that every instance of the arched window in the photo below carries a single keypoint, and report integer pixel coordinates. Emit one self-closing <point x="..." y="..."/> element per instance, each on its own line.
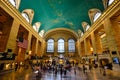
<point x="110" y="2"/>
<point x="36" y="26"/>
<point x="50" y="45"/>
<point x="80" y="33"/>
<point x="87" y="27"/>
<point x="96" y="16"/>
<point x="61" y="48"/>
<point x="25" y="15"/>
<point x="13" y="2"/>
<point x="41" y="33"/>
<point x="71" y="45"/>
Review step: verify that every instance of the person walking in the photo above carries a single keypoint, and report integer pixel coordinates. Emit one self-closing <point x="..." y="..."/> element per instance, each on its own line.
<point x="65" y="72"/>
<point x="61" y="71"/>
<point x="75" y="70"/>
<point x="84" y="69"/>
<point x="56" y="71"/>
<point x="16" y="66"/>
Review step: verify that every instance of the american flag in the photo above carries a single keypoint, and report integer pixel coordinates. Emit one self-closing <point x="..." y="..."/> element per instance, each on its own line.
<point x="23" y="44"/>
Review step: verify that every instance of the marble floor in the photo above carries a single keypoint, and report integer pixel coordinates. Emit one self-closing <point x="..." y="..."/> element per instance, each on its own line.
<point x="28" y="74"/>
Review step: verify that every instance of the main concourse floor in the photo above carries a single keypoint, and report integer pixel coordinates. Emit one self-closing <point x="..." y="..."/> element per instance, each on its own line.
<point x="94" y="74"/>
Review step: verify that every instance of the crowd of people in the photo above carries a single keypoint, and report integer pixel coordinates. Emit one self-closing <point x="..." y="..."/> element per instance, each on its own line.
<point x="53" y="67"/>
<point x="62" y="69"/>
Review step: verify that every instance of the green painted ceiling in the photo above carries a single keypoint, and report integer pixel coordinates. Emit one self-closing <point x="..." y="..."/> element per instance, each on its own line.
<point x="61" y="13"/>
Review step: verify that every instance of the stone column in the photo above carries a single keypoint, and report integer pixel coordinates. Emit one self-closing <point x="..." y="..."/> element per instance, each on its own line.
<point x="82" y="47"/>
<point x="55" y="48"/>
<point x="88" y="46"/>
<point x="116" y="29"/>
<point x="93" y="43"/>
<point x="85" y="46"/>
<point x="36" y="49"/>
<point x="11" y="44"/>
<point x="78" y="48"/>
<point x="39" y="48"/>
<point x="43" y="48"/>
<point x="112" y="44"/>
<point x="66" y="48"/>
<point x="110" y="35"/>
<point x="33" y="45"/>
<point x="98" y="44"/>
<point x="77" y="51"/>
<point x="29" y="41"/>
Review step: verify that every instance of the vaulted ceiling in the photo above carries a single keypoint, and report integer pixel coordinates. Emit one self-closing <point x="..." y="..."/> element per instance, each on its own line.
<point x="61" y="13"/>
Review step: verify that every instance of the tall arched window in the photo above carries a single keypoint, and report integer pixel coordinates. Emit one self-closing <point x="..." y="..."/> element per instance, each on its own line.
<point x="61" y="47"/>
<point x="71" y="45"/>
<point x="110" y="2"/>
<point x="13" y="2"/>
<point x="36" y="26"/>
<point x="87" y="27"/>
<point x="81" y="34"/>
<point x="96" y="16"/>
<point x="41" y="33"/>
<point x="25" y="15"/>
<point x="50" y="45"/>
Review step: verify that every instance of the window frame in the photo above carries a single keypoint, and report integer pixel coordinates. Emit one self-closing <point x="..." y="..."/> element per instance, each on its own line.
<point x="26" y="16"/>
<point x="110" y="2"/>
<point x="87" y="27"/>
<point x="41" y="33"/>
<point x="13" y="2"/>
<point x="96" y="16"/>
<point x="50" y="46"/>
<point x="71" y="42"/>
<point x="36" y="27"/>
<point x="61" y="46"/>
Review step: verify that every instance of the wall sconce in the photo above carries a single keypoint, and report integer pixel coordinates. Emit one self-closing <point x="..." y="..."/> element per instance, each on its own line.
<point x="1" y="32"/>
<point x="91" y="49"/>
<point x="30" y="52"/>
